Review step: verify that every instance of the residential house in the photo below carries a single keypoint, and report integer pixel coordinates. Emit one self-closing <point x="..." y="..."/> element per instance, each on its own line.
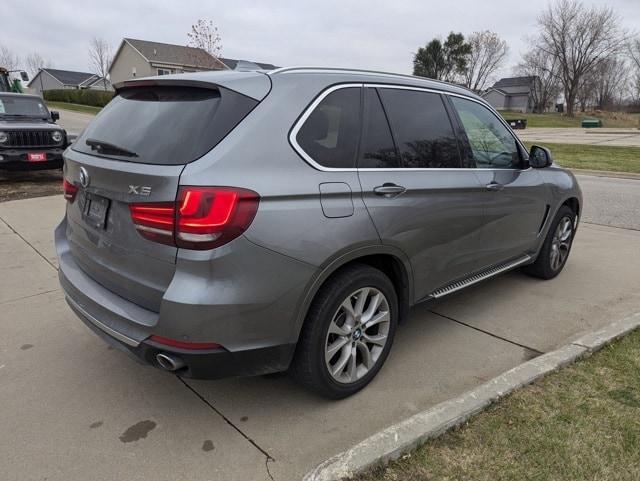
<point x="513" y="93"/>
<point x="142" y="58"/>
<point x="234" y="64"/>
<point x="54" y="79"/>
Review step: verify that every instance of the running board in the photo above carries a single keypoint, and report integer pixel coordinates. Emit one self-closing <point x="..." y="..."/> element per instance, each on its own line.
<point x="493" y="271"/>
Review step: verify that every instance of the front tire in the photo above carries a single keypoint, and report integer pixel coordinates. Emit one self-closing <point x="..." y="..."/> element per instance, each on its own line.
<point x="557" y="246"/>
<point x="348" y="332"/>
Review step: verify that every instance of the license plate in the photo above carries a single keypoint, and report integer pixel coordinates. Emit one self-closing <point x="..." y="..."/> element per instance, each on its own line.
<point x="36" y="156"/>
<point x="94" y="209"/>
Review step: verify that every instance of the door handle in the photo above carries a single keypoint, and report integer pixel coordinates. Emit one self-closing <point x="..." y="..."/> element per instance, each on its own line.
<point x="389" y="190"/>
<point x="494" y="186"/>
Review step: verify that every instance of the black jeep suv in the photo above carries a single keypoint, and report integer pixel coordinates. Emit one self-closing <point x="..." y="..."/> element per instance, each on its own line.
<point x="29" y="137"/>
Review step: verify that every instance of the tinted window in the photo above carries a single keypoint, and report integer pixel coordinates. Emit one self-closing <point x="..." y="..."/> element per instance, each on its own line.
<point x="164" y="125"/>
<point x="422" y="128"/>
<point x="330" y="134"/>
<point x="492" y="144"/>
<point x="377" y="149"/>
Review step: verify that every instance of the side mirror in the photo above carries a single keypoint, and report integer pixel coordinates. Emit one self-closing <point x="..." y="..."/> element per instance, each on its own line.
<point x="55" y="115"/>
<point x="540" y="157"/>
<point x="24" y="76"/>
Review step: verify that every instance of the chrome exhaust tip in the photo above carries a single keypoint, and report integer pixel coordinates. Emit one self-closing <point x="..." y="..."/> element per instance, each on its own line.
<point x="168" y="362"/>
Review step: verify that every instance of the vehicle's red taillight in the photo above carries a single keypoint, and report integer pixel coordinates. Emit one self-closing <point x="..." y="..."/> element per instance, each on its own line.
<point x="184" y="344"/>
<point x="70" y="190"/>
<point x="155" y="221"/>
<point x="202" y="218"/>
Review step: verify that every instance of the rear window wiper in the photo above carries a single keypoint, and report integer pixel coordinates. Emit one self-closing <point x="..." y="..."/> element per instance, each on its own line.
<point x="106" y="148"/>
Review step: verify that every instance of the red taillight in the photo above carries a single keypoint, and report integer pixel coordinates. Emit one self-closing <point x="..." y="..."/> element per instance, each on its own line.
<point x="155" y="221"/>
<point x="202" y="218"/>
<point x="69" y="189"/>
<point x="184" y="344"/>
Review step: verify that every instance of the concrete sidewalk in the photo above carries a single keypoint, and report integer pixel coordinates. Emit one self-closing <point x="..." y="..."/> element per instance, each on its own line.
<point x="75" y="409"/>
<point x="601" y="136"/>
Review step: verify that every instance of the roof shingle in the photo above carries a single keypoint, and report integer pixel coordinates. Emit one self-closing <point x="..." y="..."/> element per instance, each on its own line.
<point x="68" y="77"/>
<point x="156" y="52"/>
<point x="514" y="82"/>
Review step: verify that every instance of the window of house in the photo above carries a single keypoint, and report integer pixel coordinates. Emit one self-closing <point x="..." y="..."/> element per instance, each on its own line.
<point x="164" y="71"/>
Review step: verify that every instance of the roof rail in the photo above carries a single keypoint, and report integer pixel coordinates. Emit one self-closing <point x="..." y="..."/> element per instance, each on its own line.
<point x="359" y="71"/>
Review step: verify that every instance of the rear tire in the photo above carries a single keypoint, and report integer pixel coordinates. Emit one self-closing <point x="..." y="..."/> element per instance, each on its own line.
<point x="348" y="332"/>
<point x="557" y="246"/>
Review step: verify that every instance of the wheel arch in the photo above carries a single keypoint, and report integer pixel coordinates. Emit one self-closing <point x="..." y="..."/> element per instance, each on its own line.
<point x="574" y="204"/>
<point x="393" y="262"/>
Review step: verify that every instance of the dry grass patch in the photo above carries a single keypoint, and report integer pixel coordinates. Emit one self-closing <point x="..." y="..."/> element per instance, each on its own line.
<point x="582" y="423"/>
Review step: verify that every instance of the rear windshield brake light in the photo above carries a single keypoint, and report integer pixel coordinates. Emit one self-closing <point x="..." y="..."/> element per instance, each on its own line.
<point x="202" y="217"/>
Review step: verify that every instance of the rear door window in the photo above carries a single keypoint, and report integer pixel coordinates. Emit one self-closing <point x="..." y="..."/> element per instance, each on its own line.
<point x="377" y="150"/>
<point x="422" y="128"/>
<point x="166" y="125"/>
<point x="329" y="136"/>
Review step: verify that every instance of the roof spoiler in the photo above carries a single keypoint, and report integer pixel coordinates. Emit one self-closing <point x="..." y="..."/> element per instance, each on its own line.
<point x="255" y="85"/>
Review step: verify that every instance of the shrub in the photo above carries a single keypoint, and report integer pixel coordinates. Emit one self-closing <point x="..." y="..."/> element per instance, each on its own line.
<point x="95" y="98"/>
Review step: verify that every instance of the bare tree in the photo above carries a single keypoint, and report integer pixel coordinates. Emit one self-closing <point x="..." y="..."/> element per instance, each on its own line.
<point x="537" y="64"/>
<point x="579" y="37"/>
<point x="100" y="57"/>
<point x="634" y="51"/>
<point x="611" y="77"/>
<point x="34" y="62"/>
<point x="204" y="34"/>
<point x="488" y="53"/>
<point x="8" y="59"/>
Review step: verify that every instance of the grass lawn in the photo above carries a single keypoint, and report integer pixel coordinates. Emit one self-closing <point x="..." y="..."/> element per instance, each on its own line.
<point x="581" y="423"/>
<point x="87" y="109"/>
<point x="595" y="157"/>
<point x="554" y="119"/>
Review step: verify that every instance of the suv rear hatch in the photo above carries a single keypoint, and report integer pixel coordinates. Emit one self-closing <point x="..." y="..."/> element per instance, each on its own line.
<point x="134" y="152"/>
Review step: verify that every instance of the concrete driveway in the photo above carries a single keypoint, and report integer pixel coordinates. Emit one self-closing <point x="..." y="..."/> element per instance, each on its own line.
<point x="74" y="409"/>
<point x="602" y="136"/>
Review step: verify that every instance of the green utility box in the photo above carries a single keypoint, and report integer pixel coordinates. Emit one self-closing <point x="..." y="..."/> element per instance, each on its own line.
<point x="591" y="123"/>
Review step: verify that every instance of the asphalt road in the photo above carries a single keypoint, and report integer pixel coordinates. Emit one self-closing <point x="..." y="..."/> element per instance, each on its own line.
<point x="74" y="122"/>
<point x="611" y="201"/>
<point x="628" y="137"/>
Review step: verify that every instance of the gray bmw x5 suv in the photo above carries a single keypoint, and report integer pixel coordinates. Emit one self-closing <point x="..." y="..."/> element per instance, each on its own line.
<point x="243" y="223"/>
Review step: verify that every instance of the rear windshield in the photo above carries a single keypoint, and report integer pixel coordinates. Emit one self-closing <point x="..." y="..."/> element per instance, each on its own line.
<point x="164" y="124"/>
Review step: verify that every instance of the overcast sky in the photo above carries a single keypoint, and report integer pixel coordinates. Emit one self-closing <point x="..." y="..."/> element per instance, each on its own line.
<point x="380" y="35"/>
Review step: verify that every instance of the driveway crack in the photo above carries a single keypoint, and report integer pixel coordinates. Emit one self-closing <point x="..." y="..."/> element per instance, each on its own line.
<point x="529" y="348"/>
<point x="28" y="243"/>
<point x="228" y="421"/>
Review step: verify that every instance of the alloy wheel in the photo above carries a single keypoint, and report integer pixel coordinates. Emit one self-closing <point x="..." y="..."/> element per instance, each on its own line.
<point x="561" y="243"/>
<point x="357" y="335"/>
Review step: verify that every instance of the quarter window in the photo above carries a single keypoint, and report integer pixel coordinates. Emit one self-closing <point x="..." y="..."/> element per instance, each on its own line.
<point x="492" y="144"/>
<point x="377" y="150"/>
<point x="422" y="128"/>
<point x="330" y="134"/>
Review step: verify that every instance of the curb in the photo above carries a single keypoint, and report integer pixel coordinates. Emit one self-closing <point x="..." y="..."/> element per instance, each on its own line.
<point x="396" y="440"/>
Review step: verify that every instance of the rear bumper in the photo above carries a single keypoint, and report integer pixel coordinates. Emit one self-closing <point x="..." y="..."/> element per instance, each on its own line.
<point x="258" y="337"/>
<point x="200" y="364"/>
<point x="17" y="159"/>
